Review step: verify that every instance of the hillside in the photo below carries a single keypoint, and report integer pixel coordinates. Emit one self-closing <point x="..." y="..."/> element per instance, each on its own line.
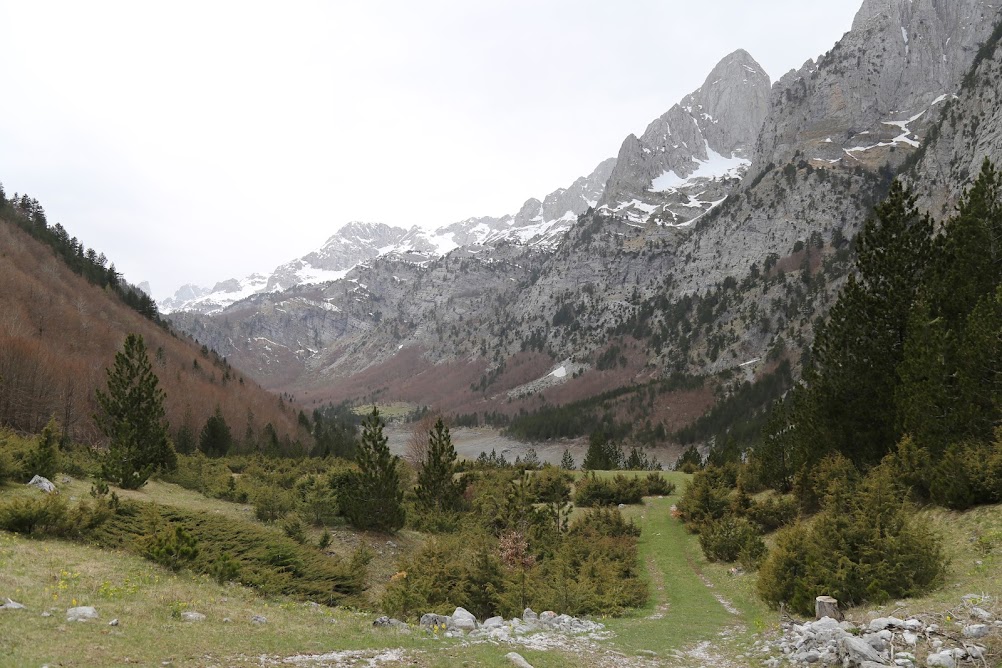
<point x="59" y="332"/>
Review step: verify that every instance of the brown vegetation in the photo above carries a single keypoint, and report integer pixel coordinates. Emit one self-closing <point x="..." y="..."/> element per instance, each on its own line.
<point x="58" y="334"/>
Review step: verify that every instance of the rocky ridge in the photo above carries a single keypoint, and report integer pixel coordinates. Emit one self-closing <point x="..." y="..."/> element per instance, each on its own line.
<point x="690" y="158"/>
<point x="708" y="296"/>
<point x="537" y="223"/>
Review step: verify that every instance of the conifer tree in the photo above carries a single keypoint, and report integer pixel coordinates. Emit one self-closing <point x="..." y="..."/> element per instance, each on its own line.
<point x="132" y="416"/>
<point x="567" y="461"/>
<point x="850" y="407"/>
<point x="44" y="459"/>
<point x="215" y="439"/>
<point x="376" y="500"/>
<point x="436" y="489"/>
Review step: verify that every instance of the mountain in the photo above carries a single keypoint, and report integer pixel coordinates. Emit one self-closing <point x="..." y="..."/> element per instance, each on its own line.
<point x="639" y="289"/>
<point x="60" y="328"/>
<point x="687" y="159"/>
<point x="536" y="223"/>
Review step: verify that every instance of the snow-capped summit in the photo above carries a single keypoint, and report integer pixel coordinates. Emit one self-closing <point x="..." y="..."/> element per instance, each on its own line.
<point x="537" y="223"/>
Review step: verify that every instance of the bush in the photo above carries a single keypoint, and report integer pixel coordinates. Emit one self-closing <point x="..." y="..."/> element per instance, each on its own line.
<point x="866" y="545"/>
<point x="49" y="515"/>
<point x="170" y="546"/>
<point x="271" y="504"/>
<point x="293" y="527"/>
<point x="773" y="512"/>
<point x="657" y="485"/>
<point x="706" y="498"/>
<point x="728" y="538"/>
<point x="594" y="491"/>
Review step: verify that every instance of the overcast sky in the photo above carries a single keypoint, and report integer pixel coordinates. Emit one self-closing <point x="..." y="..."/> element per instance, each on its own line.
<point x="198" y="141"/>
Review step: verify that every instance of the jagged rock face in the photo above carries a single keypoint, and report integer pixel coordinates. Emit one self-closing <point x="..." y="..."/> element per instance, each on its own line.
<point x="354" y="243"/>
<point x="711" y="131"/>
<point x="875" y="92"/>
<point x="969" y="130"/>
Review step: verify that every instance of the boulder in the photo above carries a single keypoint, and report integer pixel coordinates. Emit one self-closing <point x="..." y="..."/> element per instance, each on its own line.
<point x="192" y="616"/>
<point x="855" y="651"/>
<point x="515" y="659"/>
<point x="43" y="484"/>
<point x="11" y="605"/>
<point x="976" y="631"/>
<point x="529" y="616"/>
<point x="430" y="620"/>
<point x="882" y="623"/>
<point x="389" y="622"/>
<point x="464" y="620"/>
<point x="941" y="660"/>
<point x="493" y="622"/>
<point x="81" y="614"/>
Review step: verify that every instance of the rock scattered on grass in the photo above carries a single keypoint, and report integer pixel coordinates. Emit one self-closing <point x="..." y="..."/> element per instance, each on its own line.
<point x="192" y="616"/>
<point x="44" y="484"/>
<point x="517" y="660"/>
<point x="884" y="641"/>
<point x="12" y="605"/>
<point x="259" y="619"/>
<point x="81" y="614"/>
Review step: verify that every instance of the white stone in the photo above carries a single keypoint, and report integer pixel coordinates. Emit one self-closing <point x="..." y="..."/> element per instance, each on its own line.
<point x="81" y="614"/>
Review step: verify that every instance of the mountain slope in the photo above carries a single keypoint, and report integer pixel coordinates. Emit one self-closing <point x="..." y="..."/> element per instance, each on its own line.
<point x="58" y="333"/>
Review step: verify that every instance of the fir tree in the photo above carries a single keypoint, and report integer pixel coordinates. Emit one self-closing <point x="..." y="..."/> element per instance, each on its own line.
<point x="436" y="488"/>
<point x="44" y="459"/>
<point x="567" y="461"/>
<point x="376" y="501"/>
<point x="215" y="439"/>
<point x="132" y="416"/>
<point x="850" y="406"/>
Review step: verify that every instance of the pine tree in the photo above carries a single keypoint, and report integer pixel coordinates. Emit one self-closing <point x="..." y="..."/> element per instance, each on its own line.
<point x="44" y="459"/>
<point x="855" y="355"/>
<point x="436" y="488"/>
<point x="376" y="502"/>
<point x="215" y="439"/>
<point x="132" y="416"/>
<point x="567" y="461"/>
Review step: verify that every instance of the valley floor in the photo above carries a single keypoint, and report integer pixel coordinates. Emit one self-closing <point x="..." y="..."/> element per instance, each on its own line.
<point x="699" y="614"/>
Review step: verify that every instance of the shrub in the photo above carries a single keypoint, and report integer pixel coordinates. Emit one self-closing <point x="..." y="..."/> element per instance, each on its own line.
<point x="728" y="538"/>
<point x="225" y="569"/>
<point x="657" y="485"/>
<point x="594" y="491"/>
<point x="293" y="527"/>
<point x="44" y="459"/>
<point x="705" y="499"/>
<point x="773" y="512"/>
<point x="170" y="546"/>
<point x="271" y="503"/>
<point x="36" y="515"/>
<point x="866" y="545"/>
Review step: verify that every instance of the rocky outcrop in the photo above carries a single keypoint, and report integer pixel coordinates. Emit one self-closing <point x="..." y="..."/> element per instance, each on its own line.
<point x="708" y="135"/>
<point x="872" y="96"/>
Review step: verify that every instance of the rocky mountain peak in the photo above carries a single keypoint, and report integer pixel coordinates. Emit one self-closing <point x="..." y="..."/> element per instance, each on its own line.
<point x="708" y="135"/>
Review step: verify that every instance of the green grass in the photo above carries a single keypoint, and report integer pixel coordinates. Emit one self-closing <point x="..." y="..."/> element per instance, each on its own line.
<point x="683" y="610"/>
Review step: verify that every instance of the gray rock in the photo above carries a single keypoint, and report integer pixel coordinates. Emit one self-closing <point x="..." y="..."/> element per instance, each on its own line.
<point x="547" y="616"/>
<point x="192" y="616"/>
<point x="529" y="616"/>
<point x="855" y="651"/>
<point x="11" y="605"/>
<point x="493" y="622"/>
<point x="982" y="614"/>
<point x="113" y="622"/>
<point x="259" y="619"/>
<point x="463" y="619"/>
<point x="976" y="631"/>
<point x="390" y="622"/>
<point x="882" y="623"/>
<point x="431" y="620"/>
<point x="515" y="659"/>
<point x="81" y="614"/>
<point x="941" y="660"/>
<point x="44" y="484"/>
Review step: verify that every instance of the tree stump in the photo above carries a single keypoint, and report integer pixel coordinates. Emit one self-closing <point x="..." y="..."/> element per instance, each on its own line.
<point x="826" y="606"/>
